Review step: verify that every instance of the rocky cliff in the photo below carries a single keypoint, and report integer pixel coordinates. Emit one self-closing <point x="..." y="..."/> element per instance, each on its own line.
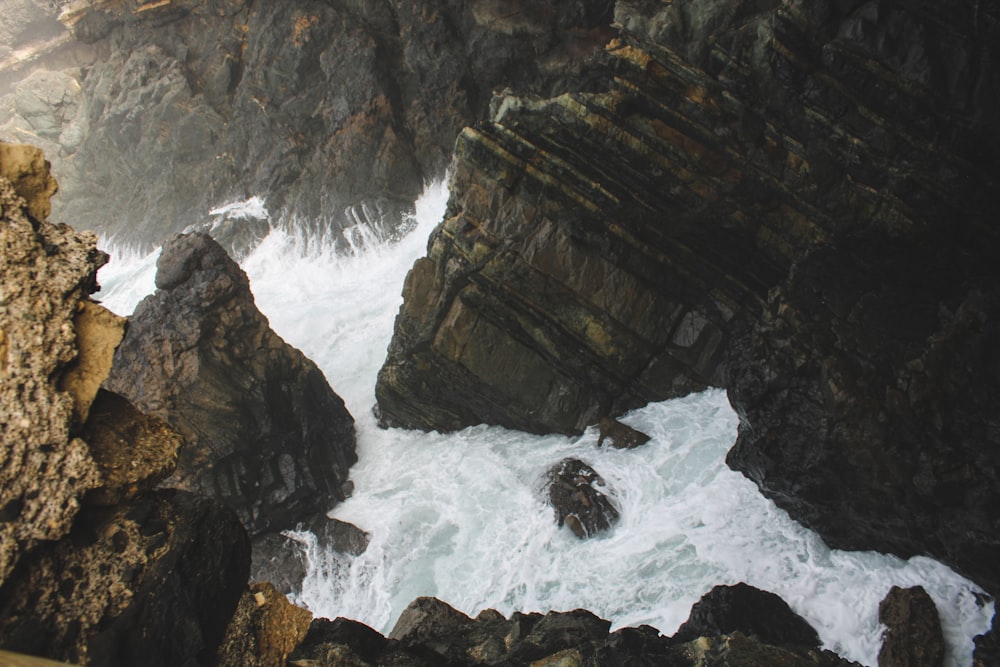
<point x="791" y="201"/>
<point x="265" y="432"/>
<point x="336" y="111"/>
<point x="94" y="567"/>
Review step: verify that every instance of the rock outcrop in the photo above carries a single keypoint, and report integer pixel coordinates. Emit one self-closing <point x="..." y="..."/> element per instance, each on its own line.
<point x="46" y="273"/>
<point x="264" y="631"/>
<point x="913" y="636"/>
<point x="337" y="112"/>
<point x="750" y="611"/>
<point x="153" y="581"/>
<point x="430" y="632"/>
<point x="94" y="567"/>
<point x="581" y="498"/>
<point x="793" y="202"/>
<point x="265" y="433"/>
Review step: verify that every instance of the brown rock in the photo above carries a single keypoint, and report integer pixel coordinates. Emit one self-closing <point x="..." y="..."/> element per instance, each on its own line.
<point x="45" y="273"/>
<point x="619" y="435"/>
<point x="264" y="631"/>
<point x="133" y="451"/>
<point x="28" y="170"/>
<point x="913" y="636"/>
<point x="574" y="490"/>
<point x="98" y="333"/>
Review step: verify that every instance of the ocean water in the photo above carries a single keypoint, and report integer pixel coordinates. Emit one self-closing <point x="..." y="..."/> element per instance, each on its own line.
<point x="460" y="516"/>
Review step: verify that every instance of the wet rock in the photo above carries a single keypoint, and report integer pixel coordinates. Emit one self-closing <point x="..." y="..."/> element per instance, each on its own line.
<point x="866" y="401"/>
<point x="282" y="561"/>
<point x="264" y="631"/>
<point x="619" y="435"/>
<point x="265" y="433"/>
<point x="578" y="495"/>
<point x="750" y="611"/>
<point x="987" y="651"/>
<point x="46" y="272"/>
<point x="154" y="581"/>
<point x="913" y="636"/>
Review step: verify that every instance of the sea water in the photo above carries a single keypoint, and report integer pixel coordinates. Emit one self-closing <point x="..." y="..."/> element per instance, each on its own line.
<point x="462" y="516"/>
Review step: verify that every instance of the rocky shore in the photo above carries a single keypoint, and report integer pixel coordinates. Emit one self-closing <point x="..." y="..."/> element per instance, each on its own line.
<point x="791" y="201"/>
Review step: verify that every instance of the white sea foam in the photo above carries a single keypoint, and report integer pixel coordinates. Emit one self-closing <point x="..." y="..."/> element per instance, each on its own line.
<point x="461" y="516"/>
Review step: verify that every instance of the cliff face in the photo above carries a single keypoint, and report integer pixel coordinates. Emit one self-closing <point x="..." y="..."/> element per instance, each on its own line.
<point x="791" y="201"/>
<point x="322" y="107"/>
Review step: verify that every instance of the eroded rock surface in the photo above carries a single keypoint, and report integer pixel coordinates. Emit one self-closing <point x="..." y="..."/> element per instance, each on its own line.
<point x="265" y="629"/>
<point x="46" y="272"/>
<point x="153" y="581"/>
<point x="265" y="433"/>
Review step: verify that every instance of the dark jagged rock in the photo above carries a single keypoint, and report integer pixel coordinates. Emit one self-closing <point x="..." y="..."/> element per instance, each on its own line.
<point x="820" y="176"/>
<point x="750" y="611"/>
<point x="619" y="435"/>
<point x="332" y="110"/>
<point x="265" y="433"/>
<point x="867" y="402"/>
<point x="575" y="491"/>
<point x="153" y="581"/>
<point x="430" y="632"/>
<point x="282" y="561"/>
<point x="987" y="652"/>
<point x="913" y="636"/>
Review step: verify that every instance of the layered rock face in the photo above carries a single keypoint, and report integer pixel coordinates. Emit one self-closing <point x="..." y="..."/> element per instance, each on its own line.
<point x="320" y="106"/>
<point x="790" y="201"/>
<point x="265" y="433"/>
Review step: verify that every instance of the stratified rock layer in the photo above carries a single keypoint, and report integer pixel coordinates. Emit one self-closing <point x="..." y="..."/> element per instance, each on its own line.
<point x="791" y="201"/>
<point x="265" y="433"/>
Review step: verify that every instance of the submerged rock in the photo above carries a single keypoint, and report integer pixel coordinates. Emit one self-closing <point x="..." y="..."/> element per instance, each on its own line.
<point x="619" y="435"/>
<point x="576" y="492"/>
<point x="265" y="433"/>
<point x="913" y="636"/>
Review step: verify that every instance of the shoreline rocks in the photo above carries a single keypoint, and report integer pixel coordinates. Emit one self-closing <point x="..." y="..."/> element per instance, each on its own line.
<point x="264" y="432"/>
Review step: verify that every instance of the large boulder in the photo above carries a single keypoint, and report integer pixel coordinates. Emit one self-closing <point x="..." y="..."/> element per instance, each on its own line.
<point x="265" y="433"/>
<point x="430" y="632"/>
